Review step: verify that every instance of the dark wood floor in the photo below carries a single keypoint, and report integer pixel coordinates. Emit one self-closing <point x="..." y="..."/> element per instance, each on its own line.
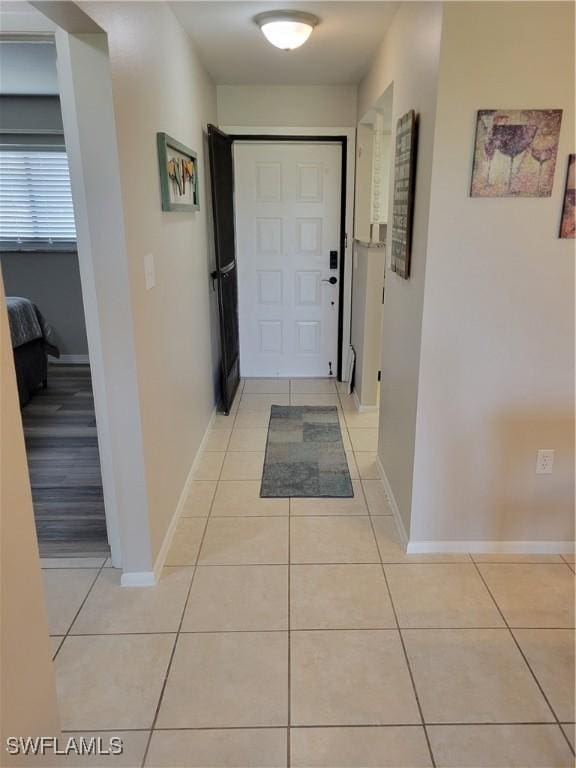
<point x="62" y="448"/>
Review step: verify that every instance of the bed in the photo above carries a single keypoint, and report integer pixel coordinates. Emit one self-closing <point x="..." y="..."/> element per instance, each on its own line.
<point x="32" y="342"/>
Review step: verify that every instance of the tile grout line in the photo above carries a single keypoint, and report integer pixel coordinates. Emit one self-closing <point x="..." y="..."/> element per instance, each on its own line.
<point x="480" y="561"/>
<point x="461" y="724"/>
<point x="288" y="598"/>
<point x="178" y="632"/>
<point x="475" y="564"/>
<point x="404" y="651"/>
<point x="517" y="644"/>
<point x="100" y="569"/>
<point x="418" y="704"/>
<point x="288" y="730"/>
<point x="362" y="516"/>
<point x="332" y="562"/>
<point x="395" y="629"/>
<point x="335" y="514"/>
<point x="308" y="629"/>
<point x="91" y="587"/>
<point x="169" y="666"/>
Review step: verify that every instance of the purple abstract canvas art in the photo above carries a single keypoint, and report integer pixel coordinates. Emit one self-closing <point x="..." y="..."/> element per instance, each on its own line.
<point x="515" y="152"/>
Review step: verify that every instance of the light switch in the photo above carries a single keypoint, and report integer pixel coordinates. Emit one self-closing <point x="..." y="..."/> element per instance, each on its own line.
<point x="149" y="271"/>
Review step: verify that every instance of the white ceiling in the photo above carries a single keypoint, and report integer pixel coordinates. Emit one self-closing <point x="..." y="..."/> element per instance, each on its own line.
<point x="17" y="16"/>
<point x="235" y="52"/>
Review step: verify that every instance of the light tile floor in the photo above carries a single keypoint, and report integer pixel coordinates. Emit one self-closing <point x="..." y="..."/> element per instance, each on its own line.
<point x="298" y="632"/>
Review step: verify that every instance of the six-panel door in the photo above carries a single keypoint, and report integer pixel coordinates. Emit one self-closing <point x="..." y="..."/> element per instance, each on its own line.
<point x="287" y="206"/>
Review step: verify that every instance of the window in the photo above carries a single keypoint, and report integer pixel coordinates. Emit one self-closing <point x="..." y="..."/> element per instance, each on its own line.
<point x="36" y="211"/>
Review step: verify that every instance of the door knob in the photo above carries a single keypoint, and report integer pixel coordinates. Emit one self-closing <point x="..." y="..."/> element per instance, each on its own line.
<point x="331" y="280"/>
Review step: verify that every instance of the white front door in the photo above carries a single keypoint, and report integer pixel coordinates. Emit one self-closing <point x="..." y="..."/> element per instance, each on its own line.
<point x="287" y="200"/>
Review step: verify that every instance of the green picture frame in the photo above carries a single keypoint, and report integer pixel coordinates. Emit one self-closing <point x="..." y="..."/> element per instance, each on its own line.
<point x="179" y="184"/>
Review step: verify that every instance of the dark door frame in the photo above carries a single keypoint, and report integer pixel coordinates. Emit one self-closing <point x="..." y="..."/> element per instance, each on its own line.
<point x="343" y="141"/>
<point x="225" y="274"/>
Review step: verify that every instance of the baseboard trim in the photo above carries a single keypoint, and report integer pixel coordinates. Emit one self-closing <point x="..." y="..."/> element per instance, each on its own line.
<point x="167" y="543"/>
<point x="150" y="578"/>
<point x="393" y="505"/>
<point x="138" y="579"/>
<point x="478" y="547"/>
<point x="360" y="407"/>
<point x="474" y="547"/>
<point x="69" y="360"/>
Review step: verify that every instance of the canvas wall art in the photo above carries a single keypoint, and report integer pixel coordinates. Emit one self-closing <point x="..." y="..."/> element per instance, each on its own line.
<point x="568" y="223"/>
<point x="515" y="152"/>
<point x="403" y="203"/>
<point x="178" y="175"/>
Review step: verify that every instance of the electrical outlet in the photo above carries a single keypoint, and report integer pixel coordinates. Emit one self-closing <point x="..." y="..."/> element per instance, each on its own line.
<point x="544" y="461"/>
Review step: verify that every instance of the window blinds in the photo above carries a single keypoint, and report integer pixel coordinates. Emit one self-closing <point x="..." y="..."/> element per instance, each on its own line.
<point x="35" y="201"/>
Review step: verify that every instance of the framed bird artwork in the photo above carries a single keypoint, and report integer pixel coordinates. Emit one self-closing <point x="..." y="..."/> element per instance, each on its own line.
<point x="179" y="186"/>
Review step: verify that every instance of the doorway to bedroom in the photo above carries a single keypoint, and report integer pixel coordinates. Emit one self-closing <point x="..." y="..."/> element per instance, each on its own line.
<point x="41" y="274"/>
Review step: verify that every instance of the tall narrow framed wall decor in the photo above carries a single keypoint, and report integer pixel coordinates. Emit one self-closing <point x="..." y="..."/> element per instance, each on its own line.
<point x="403" y="201"/>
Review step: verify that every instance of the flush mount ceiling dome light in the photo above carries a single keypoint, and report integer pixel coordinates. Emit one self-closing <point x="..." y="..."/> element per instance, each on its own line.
<point x="286" y="29"/>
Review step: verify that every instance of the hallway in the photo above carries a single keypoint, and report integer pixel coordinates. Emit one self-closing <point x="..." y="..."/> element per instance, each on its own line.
<point x="306" y="613"/>
<point x="241" y="631"/>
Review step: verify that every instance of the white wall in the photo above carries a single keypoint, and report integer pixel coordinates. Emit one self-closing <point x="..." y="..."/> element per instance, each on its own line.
<point x="159" y="85"/>
<point x="366" y="330"/>
<point x="287" y="105"/>
<point x="497" y="360"/>
<point x="381" y="177"/>
<point x="363" y="185"/>
<point x="408" y="59"/>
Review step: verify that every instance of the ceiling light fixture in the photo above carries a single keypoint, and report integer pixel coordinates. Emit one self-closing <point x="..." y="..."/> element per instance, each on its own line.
<point x="286" y="29"/>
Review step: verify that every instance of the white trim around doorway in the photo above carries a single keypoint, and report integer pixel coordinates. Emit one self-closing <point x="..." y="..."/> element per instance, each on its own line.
<point x="84" y="77"/>
<point x="350" y="134"/>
